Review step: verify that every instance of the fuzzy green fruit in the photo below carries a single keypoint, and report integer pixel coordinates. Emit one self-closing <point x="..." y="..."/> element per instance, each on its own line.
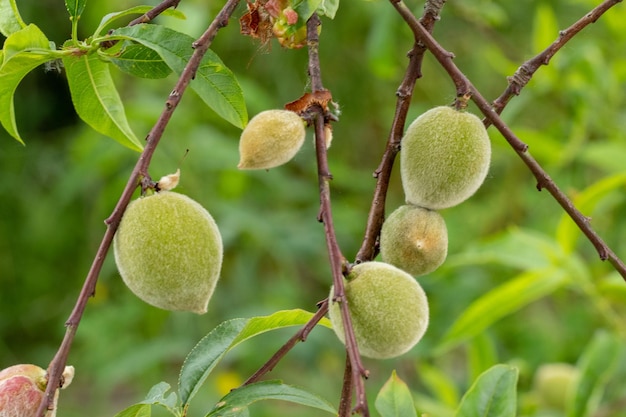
<point x="414" y="239"/>
<point x="270" y="139"/>
<point x="553" y="384"/>
<point x="168" y="251"/>
<point x="388" y="308"/>
<point x="444" y="159"/>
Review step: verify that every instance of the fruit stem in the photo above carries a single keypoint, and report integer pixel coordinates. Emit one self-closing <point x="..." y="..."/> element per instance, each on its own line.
<point x="57" y="365"/>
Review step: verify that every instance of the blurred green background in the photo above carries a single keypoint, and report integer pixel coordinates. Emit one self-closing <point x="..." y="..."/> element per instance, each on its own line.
<point x="56" y="191"/>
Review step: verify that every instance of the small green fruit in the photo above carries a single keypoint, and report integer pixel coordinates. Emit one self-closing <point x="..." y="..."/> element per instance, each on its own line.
<point x="414" y="239"/>
<point x="270" y="139"/>
<point x="553" y="384"/>
<point x="444" y="159"/>
<point x="388" y="308"/>
<point x="168" y="251"/>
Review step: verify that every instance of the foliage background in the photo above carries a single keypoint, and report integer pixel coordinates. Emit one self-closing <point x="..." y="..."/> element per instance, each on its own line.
<point x="56" y="192"/>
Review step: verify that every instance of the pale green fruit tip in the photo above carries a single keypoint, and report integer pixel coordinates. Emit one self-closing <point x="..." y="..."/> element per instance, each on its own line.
<point x="554" y="383"/>
<point x="388" y="309"/>
<point x="169" y="251"/>
<point x="271" y="138"/>
<point x="444" y="159"/>
<point x="414" y="239"/>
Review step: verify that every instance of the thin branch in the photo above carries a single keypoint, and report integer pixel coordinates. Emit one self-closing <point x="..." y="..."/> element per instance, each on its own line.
<point x="55" y="369"/>
<point x="337" y="260"/>
<point x="155" y="11"/>
<point x="376" y="216"/>
<point x="524" y="73"/>
<point x="543" y="179"/>
<point x="300" y="336"/>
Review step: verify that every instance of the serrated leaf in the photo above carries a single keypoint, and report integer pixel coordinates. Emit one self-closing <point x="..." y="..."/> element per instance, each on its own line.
<point x="96" y="99"/>
<point x="141" y="61"/>
<point x="10" y="19"/>
<point x="214" y="82"/>
<point x="394" y="399"/>
<point x="112" y="17"/>
<point x="75" y="8"/>
<point x="23" y="51"/>
<point x="493" y="394"/>
<point x="596" y="365"/>
<point x="243" y="397"/>
<point x="211" y="349"/>
<point x="137" y="410"/>
<point x="502" y="301"/>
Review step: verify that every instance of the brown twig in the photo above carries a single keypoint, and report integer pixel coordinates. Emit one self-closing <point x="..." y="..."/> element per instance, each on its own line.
<point x="543" y="179"/>
<point x="155" y="11"/>
<point x="524" y="73"/>
<point x="300" y="336"/>
<point x="368" y="250"/>
<point x="337" y="260"/>
<point x="55" y="369"/>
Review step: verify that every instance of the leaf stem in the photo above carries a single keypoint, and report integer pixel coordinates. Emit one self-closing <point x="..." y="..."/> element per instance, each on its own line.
<point x="55" y="369"/>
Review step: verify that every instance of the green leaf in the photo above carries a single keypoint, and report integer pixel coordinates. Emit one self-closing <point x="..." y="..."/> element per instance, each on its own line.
<point x="328" y="8"/>
<point x="112" y="17"/>
<point x="141" y="61"/>
<point x="214" y="82"/>
<point x="586" y="201"/>
<point x="137" y="410"/>
<point x="395" y="399"/>
<point x="156" y="396"/>
<point x="306" y="8"/>
<point x="212" y="348"/>
<point x="482" y="354"/>
<point x="441" y="385"/>
<point x="23" y="51"/>
<point x="96" y="99"/>
<point x="596" y="365"/>
<point x="501" y="301"/>
<point x="75" y="8"/>
<point x="493" y="394"/>
<point x="10" y="19"/>
<point x="241" y="398"/>
<point x="546" y="28"/>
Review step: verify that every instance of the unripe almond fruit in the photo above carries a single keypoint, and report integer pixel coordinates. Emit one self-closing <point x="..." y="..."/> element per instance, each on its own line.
<point x="388" y="310"/>
<point x="414" y="239"/>
<point x="270" y="139"/>
<point x="168" y="251"/>
<point x="22" y="388"/>
<point x="553" y="384"/>
<point x="444" y="159"/>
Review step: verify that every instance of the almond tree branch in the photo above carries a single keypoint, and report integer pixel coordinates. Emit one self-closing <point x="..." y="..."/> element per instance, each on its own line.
<point x="155" y="11"/>
<point x="369" y="249"/>
<point x="337" y="260"/>
<point x="55" y="369"/>
<point x="524" y="73"/>
<point x="300" y="336"/>
<point x="543" y="179"/>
